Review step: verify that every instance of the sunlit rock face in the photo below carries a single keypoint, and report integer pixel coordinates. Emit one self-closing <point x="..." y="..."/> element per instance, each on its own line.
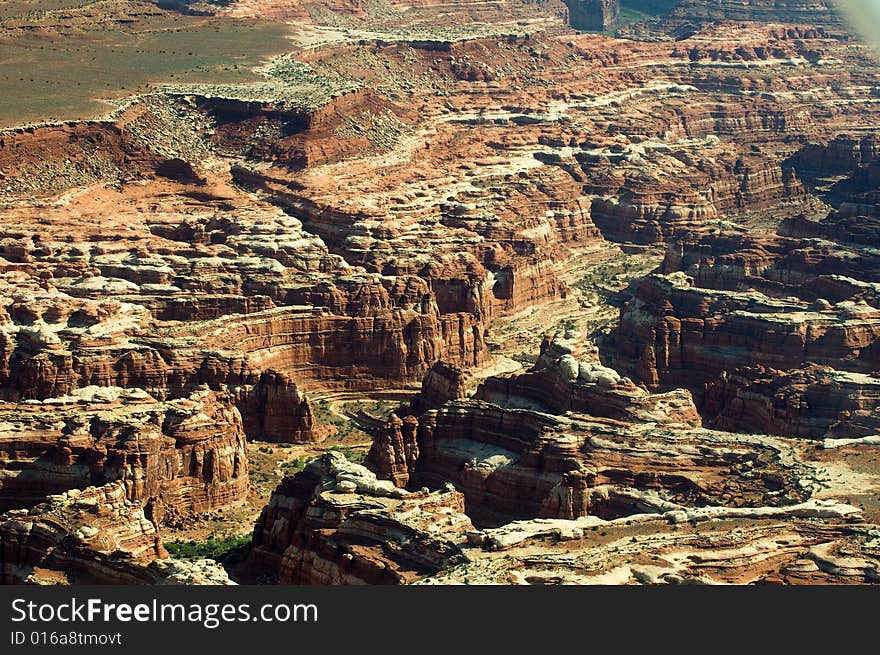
<point x="681" y="201"/>
<point x="336" y="523"/>
<point x="185" y="455"/>
<point x="93" y="536"/>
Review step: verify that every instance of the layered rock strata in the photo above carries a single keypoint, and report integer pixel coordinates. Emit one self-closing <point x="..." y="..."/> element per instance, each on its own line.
<point x="567" y="439"/>
<point x="813" y="402"/>
<point x="335" y="523"/>
<point x="773" y="334"/>
<point x="714" y="508"/>
<point x="810" y="544"/>
<point x="92" y="536"/>
<point x="382" y="193"/>
<point x="674" y="330"/>
<point x="185" y="455"/>
<point x="483" y="182"/>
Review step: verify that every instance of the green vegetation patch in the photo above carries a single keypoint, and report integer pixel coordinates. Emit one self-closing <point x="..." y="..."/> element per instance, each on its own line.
<point x="227" y="550"/>
<point x="297" y="465"/>
<point x="352" y="455"/>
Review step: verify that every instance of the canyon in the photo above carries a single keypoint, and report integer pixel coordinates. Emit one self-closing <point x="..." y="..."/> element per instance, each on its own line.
<point x="517" y="292"/>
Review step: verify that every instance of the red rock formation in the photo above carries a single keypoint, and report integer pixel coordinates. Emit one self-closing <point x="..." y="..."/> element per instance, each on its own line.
<point x="413" y="228"/>
<point x="560" y="442"/>
<point x="559" y="383"/>
<point x="854" y="222"/>
<point x="395" y="450"/>
<point x="371" y="204"/>
<point x="773" y="334"/>
<point x="442" y="383"/>
<point x="814" y="402"/>
<point x="403" y="14"/>
<point x="237" y="352"/>
<point x="187" y="455"/>
<point x="335" y="523"/>
<point x="516" y="464"/>
<point x="844" y="154"/>
<point x="247" y="302"/>
<point x="639" y="211"/>
<point x="276" y="410"/>
<point x="480" y="254"/>
<point x="92" y="536"/>
<point x="816" y="544"/>
<point x="734" y="260"/>
<point x="672" y="332"/>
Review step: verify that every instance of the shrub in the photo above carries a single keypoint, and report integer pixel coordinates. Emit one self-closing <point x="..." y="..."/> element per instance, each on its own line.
<point x="352" y="455"/>
<point x="227" y="551"/>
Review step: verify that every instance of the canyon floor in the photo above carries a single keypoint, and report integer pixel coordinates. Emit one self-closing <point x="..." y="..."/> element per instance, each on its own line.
<point x="383" y="293"/>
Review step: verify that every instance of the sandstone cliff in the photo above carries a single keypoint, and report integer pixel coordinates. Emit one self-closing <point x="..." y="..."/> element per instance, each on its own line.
<point x="92" y="536"/>
<point x="335" y="523"/>
<point x="185" y="455"/>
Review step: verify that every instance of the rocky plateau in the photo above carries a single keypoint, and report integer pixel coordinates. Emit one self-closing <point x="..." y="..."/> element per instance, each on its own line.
<point x="518" y="292"/>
